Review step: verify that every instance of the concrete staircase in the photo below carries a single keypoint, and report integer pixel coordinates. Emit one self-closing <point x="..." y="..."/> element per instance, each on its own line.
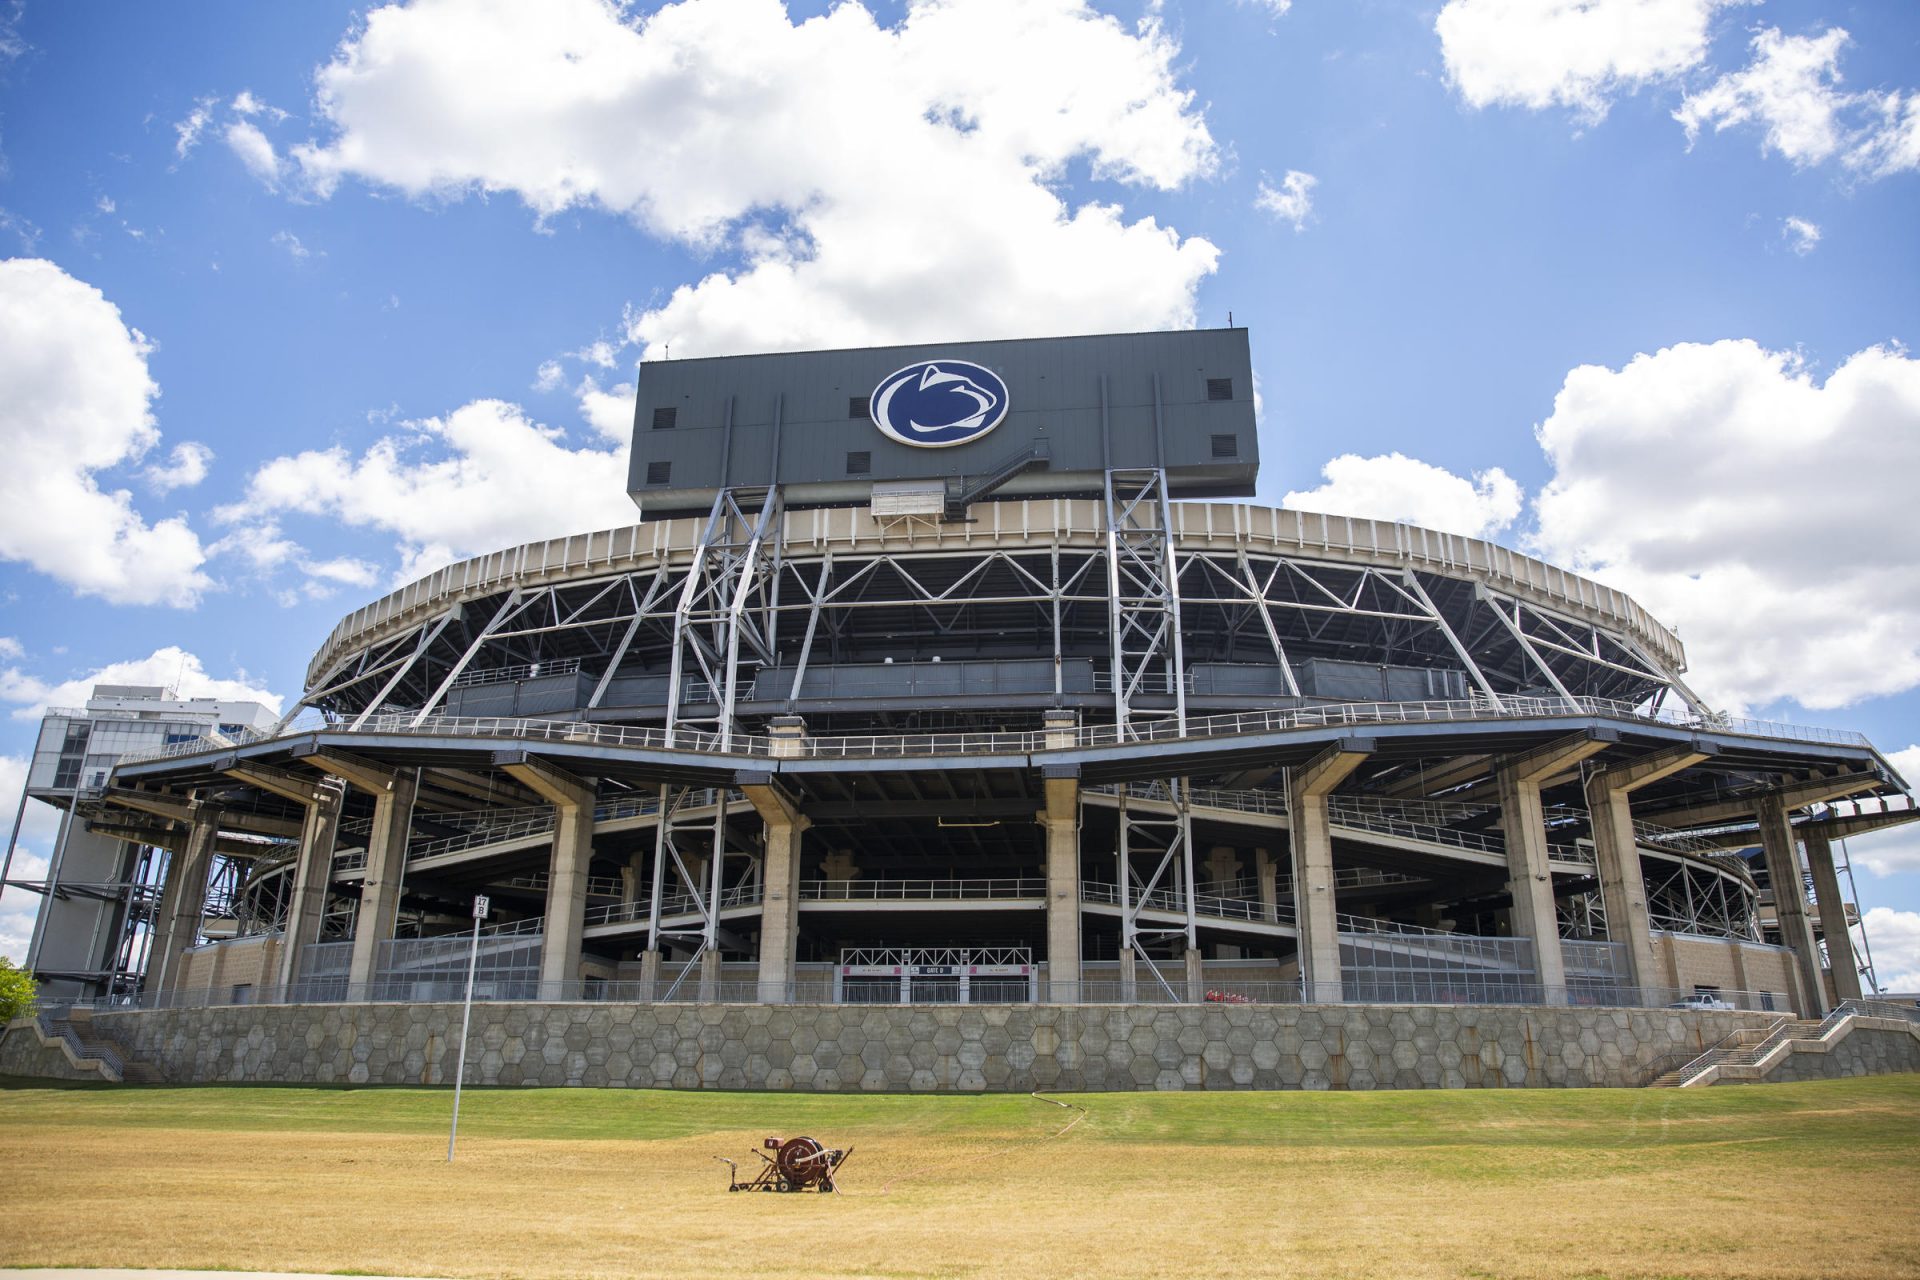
<point x="1743" y="1048"/>
<point x="75" y="1026"/>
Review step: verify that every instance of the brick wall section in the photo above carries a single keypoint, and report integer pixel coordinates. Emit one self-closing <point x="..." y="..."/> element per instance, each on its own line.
<point x="829" y="1048"/>
<point x="24" y="1053"/>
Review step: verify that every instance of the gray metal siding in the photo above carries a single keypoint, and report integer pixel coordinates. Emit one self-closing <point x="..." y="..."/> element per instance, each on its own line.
<point x="1054" y="388"/>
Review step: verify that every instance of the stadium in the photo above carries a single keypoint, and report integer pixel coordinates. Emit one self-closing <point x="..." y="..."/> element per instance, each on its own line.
<point x="945" y="723"/>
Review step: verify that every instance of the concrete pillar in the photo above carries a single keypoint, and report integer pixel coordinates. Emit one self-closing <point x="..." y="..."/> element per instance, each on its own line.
<point x="566" y="917"/>
<point x="1531" y="881"/>
<point x="1263" y="875"/>
<point x="1061" y="822"/>
<point x="1314" y="909"/>
<point x="780" y="908"/>
<point x="784" y="827"/>
<point x="313" y="874"/>
<point x="649" y="976"/>
<point x="709" y="975"/>
<point x="1196" y="976"/>
<point x="1833" y="915"/>
<point x="1129" y="976"/>
<point x="573" y="799"/>
<point x="1617" y="854"/>
<point x="1223" y="864"/>
<point x="1622" y="887"/>
<point x="1790" y="903"/>
<point x="386" y="872"/>
<point x="183" y="899"/>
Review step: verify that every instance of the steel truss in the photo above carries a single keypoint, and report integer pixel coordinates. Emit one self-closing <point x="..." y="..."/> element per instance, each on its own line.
<point x="695" y="852"/>
<point x="1148" y="656"/>
<point x="1684" y="897"/>
<point x="789" y="620"/>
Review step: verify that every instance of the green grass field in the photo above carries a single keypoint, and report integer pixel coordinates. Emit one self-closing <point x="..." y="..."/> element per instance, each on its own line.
<point x="1784" y="1180"/>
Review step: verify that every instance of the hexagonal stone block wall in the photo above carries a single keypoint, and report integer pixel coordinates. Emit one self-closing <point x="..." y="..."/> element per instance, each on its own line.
<point x="966" y="1049"/>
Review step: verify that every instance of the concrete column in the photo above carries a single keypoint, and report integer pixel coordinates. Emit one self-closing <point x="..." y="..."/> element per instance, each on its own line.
<point x="1833" y="915"/>
<point x="784" y="827"/>
<point x="573" y="799"/>
<point x="1196" y="976"/>
<point x="1061" y="822"/>
<point x="1530" y="880"/>
<point x="313" y="874"/>
<point x="1129" y="976"/>
<point x="709" y="975"/>
<point x="1523" y="819"/>
<point x="183" y="899"/>
<point x="780" y="908"/>
<point x="1622" y="887"/>
<point x="386" y="872"/>
<point x="1314" y="909"/>
<point x="1263" y="875"/>
<point x="1223" y="863"/>
<point x="1790" y="903"/>
<point x="649" y="976"/>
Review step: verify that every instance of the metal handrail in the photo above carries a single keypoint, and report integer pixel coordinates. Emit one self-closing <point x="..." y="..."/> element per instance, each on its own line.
<point x="921" y="890"/>
<point x="863" y="746"/>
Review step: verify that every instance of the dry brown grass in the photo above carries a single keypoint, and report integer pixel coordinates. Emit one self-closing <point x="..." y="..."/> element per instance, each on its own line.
<point x="1747" y="1194"/>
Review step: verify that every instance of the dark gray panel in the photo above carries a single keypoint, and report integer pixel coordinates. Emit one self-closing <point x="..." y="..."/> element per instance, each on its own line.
<point x="735" y="415"/>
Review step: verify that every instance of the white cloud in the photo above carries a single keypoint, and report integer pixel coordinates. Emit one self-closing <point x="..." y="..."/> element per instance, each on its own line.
<point x="1577" y="54"/>
<point x="1802" y="237"/>
<point x="1895" y="936"/>
<point x="1769" y="516"/>
<point x="291" y="243"/>
<point x="261" y="544"/>
<point x="1396" y="487"/>
<point x="483" y="477"/>
<point x="171" y="667"/>
<point x="875" y="183"/>
<point x="75" y="399"/>
<point x="1277" y="8"/>
<point x="1791" y="91"/>
<point x="1791" y="88"/>
<point x="255" y="151"/>
<point x="246" y="104"/>
<point x="610" y="413"/>
<point x="185" y="467"/>
<point x="1292" y="201"/>
<point x="187" y="132"/>
<point x="549" y="376"/>
<point x="1895" y="849"/>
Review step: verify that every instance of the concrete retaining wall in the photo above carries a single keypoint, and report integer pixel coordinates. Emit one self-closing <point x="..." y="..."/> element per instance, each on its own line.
<point x="977" y="1048"/>
<point x="1858" y="1047"/>
<point x="25" y="1052"/>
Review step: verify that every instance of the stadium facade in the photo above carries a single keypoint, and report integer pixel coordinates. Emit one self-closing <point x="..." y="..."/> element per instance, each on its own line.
<point x="950" y="676"/>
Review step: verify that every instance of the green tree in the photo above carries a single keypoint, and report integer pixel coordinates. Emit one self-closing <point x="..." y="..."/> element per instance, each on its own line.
<point x="16" y="992"/>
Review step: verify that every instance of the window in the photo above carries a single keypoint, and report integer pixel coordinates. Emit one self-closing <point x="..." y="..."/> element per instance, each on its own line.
<point x="857" y="407"/>
<point x="232" y="730"/>
<point x="1226" y="446"/>
<point x="664" y="416"/>
<point x="1219" y="388"/>
<point x="859" y="464"/>
<point x="175" y="739"/>
<point x="659" y="473"/>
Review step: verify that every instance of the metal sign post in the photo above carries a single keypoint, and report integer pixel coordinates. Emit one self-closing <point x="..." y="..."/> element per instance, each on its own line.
<point x="480" y="906"/>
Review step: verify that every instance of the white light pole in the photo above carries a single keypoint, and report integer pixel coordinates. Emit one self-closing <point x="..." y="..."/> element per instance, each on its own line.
<point x="480" y="905"/>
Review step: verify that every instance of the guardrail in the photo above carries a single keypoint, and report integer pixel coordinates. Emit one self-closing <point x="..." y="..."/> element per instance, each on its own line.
<point x="882" y="746"/>
<point x="983" y="890"/>
<point x="1213" y="988"/>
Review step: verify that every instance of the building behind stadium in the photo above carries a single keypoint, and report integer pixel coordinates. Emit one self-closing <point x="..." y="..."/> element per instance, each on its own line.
<point x="952" y="682"/>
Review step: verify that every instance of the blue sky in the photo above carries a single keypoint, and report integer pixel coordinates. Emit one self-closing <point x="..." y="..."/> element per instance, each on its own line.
<point x="1626" y="283"/>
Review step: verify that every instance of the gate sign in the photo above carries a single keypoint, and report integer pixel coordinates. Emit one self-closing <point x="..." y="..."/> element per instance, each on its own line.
<point x="481" y="906"/>
<point x="935" y="404"/>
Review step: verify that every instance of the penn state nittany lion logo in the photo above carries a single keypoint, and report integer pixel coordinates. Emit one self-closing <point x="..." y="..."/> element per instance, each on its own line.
<point x="937" y="403"/>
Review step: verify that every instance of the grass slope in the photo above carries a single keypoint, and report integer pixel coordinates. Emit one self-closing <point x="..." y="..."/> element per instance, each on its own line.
<point x="1785" y="1180"/>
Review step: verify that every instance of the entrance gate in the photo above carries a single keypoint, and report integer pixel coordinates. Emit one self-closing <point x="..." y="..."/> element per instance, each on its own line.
<point x="934" y="975"/>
